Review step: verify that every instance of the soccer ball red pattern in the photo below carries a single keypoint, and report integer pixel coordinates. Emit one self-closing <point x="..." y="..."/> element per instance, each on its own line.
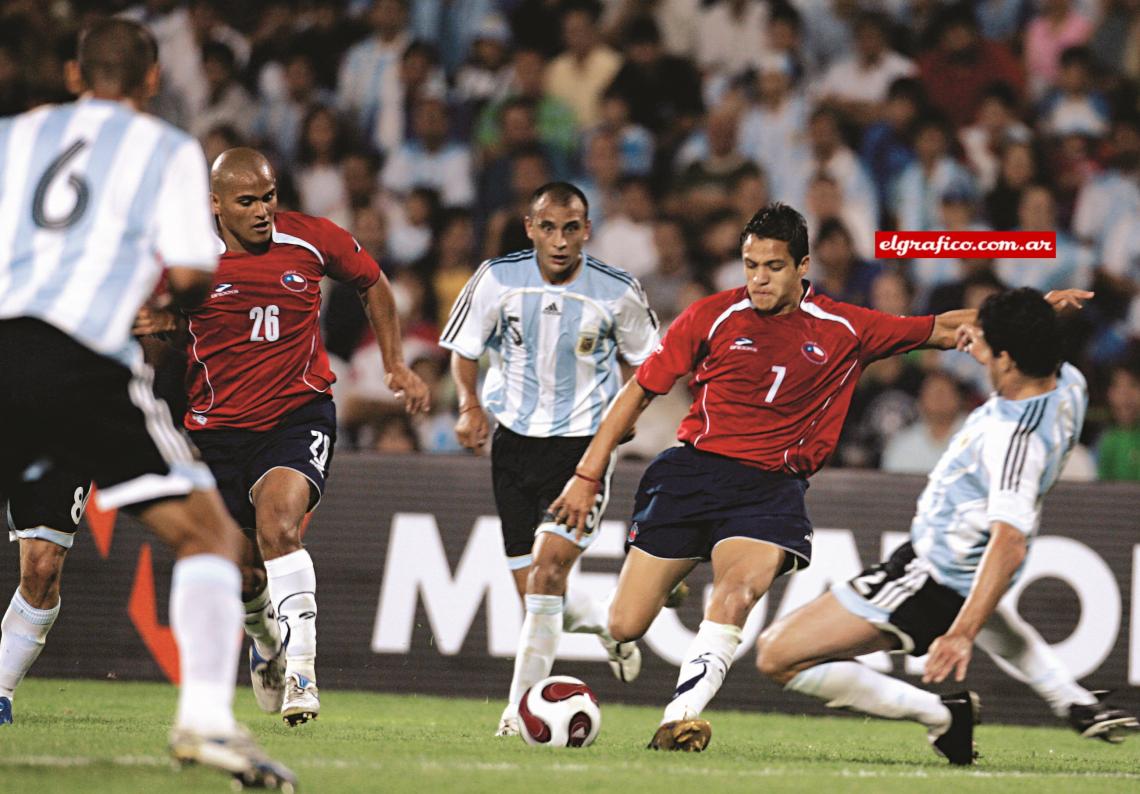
<point x="559" y="711"/>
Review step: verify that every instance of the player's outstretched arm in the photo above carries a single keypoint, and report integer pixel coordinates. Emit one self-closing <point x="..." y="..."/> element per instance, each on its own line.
<point x="471" y="428"/>
<point x="944" y="335"/>
<point x="381" y="310"/>
<point x="577" y="497"/>
<point x="951" y="652"/>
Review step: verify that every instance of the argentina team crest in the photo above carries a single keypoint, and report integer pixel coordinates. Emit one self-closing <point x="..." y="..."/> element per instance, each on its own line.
<point x="587" y="343"/>
<point x="294" y="281"/>
<point x="814" y="353"/>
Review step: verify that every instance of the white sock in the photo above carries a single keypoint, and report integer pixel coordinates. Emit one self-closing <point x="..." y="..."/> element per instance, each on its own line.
<point x="293" y="588"/>
<point x="538" y="642"/>
<point x="850" y="685"/>
<point x="1021" y="652"/>
<point x="23" y="633"/>
<point x="582" y="614"/>
<point x="261" y="624"/>
<point x="206" y="616"/>
<point x="706" y="664"/>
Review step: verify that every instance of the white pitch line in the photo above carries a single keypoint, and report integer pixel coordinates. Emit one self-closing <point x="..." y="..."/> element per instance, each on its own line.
<point x="59" y="761"/>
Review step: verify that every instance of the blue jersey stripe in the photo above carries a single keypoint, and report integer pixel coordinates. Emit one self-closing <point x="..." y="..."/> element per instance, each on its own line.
<point x="95" y="323"/>
<point x="531" y="324"/>
<point x="566" y="367"/>
<point x="44" y="151"/>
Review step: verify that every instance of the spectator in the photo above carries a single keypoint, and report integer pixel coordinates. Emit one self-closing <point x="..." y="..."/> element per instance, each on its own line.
<point x="1019" y="168"/>
<point x="1118" y="449"/>
<point x="705" y="182"/>
<point x="431" y="160"/>
<point x="886" y="147"/>
<point x="825" y="202"/>
<point x="451" y="261"/>
<point x="519" y="132"/>
<point x="582" y="73"/>
<point x="917" y="448"/>
<point x="731" y="37"/>
<point x="506" y="231"/>
<point x="838" y="272"/>
<point x="1114" y="193"/>
<point x="279" y="119"/>
<point x="324" y="141"/>
<point x="557" y="125"/>
<point x="417" y="77"/>
<point x="451" y="26"/>
<point x="666" y="285"/>
<point x="628" y="236"/>
<point x="1116" y="42"/>
<point x="773" y="130"/>
<point x="603" y="172"/>
<point x="1056" y="27"/>
<point x="486" y="74"/>
<point x="365" y="64"/>
<point x="1071" y="268"/>
<point x="859" y="83"/>
<point x="226" y="101"/>
<point x="958" y="70"/>
<point x="678" y="21"/>
<point x="917" y="195"/>
<point x="1073" y="108"/>
<point x="637" y="144"/>
<point x="995" y="124"/>
<point x="410" y="223"/>
<point x="747" y="192"/>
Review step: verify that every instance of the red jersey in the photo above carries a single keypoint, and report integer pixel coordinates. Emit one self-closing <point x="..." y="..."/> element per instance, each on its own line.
<point x="773" y="390"/>
<point x="255" y="350"/>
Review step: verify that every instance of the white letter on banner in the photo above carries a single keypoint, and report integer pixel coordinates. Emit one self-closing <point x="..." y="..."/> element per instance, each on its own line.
<point x="417" y="567"/>
<point x="1134" y="650"/>
<point x="1094" y="583"/>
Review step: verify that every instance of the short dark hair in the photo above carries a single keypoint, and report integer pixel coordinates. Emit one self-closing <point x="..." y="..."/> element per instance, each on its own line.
<point x="778" y="221"/>
<point x="560" y="193"/>
<point x="1022" y="323"/>
<point x="116" y="52"/>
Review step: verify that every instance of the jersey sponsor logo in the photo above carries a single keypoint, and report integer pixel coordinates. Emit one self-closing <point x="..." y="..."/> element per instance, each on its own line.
<point x="552" y="308"/>
<point x="814" y="353"/>
<point x="223" y="289"/>
<point x="743" y="343"/>
<point x="587" y="342"/>
<point x="294" y="281"/>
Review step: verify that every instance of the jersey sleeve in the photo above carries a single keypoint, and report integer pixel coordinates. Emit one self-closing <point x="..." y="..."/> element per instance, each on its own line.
<point x="345" y="259"/>
<point x="882" y="335"/>
<point x="635" y="325"/>
<point x="474" y="316"/>
<point x="1015" y="460"/>
<point x="675" y="356"/>
<point x="184" y="224"/>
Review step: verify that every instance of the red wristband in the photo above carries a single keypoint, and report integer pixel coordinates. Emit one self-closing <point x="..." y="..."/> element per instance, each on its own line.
<point x="596" y="483"/>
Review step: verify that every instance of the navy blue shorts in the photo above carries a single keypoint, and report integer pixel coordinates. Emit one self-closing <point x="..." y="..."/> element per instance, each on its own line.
<point x="689" y="501"/>
<point x="303" y="441"/>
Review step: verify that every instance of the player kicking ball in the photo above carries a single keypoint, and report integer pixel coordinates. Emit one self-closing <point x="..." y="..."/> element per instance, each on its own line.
<point x="260" y="404"/>
<point x="969" y="539"/>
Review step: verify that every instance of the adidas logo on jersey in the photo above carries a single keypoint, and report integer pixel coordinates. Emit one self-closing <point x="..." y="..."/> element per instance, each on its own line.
<point x="552" y="308"/>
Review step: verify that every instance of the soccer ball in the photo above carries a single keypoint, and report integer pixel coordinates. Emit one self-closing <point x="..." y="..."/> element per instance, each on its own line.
<point x="559" y="711"/>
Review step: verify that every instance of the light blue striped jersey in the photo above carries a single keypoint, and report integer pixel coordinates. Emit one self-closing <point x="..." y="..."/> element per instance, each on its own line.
<point x="998" y="467"/>
<point x="94" y="199"/>
<point x="553" y="348"/>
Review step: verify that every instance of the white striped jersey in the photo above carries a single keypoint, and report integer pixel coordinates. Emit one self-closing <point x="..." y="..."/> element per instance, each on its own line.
<point x="553" y="348"/>
<point x="94" y="199"/>
<point x="998" y="467"/>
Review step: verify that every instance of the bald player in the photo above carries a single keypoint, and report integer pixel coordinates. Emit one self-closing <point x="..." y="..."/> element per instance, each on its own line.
<point x="261" y="408"/>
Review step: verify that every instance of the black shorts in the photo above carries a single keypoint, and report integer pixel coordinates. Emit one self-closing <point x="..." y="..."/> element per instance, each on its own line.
<point x="68" y="407"/>
<point x="48" y="508"/>
<point x="688" y="501"/>
<point x="302" y="441"/>
<point x="901" y="597"/>
<point x="528" y="474"/>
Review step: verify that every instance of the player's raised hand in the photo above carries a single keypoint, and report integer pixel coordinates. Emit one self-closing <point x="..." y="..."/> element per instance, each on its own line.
<point x="972" y="340"/>
<point x="409" y="389"/>
<point x="472" y="428"/>
<point x="949" y="653"/>
<point x="575" y="502"/>
<point x="1066" y="300"/>
<point x="153" y="321"/>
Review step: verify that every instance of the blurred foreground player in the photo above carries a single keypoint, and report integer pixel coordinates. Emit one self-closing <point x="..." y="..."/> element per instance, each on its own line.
<point x="261" y="408"/>
<point x="93" y="194"/>
<point x="969" y="541"/>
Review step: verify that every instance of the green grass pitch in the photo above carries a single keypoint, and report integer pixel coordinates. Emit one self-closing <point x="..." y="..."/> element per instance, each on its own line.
<point x="98" y="736"/>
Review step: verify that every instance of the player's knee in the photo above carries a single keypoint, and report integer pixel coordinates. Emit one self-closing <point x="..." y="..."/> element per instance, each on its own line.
<point x="770" y="660"/>
<point x="548" y="576"/>
<point x="734" y="600"/>
<point x="278" y="530"/>
<point x="625" y="627"/>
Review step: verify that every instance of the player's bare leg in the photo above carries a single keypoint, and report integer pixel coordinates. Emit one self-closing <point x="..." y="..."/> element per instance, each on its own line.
<point x="812" y="651"/>
<point x="280" y="499"/>
<point x="30" y="616"/>
<point x="206" y="615"/>
<point x="644" y="585"/>
<point x="743" y="570"/>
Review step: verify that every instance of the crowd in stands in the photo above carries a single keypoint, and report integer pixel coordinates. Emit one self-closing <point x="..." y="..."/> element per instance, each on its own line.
<point x="423" y="126"/>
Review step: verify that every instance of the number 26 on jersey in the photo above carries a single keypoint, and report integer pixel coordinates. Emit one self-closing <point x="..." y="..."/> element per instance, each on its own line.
<point x="266" y="326"/>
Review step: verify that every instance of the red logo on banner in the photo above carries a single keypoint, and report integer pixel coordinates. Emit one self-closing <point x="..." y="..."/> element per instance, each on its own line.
<point x="966" y="245"/>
